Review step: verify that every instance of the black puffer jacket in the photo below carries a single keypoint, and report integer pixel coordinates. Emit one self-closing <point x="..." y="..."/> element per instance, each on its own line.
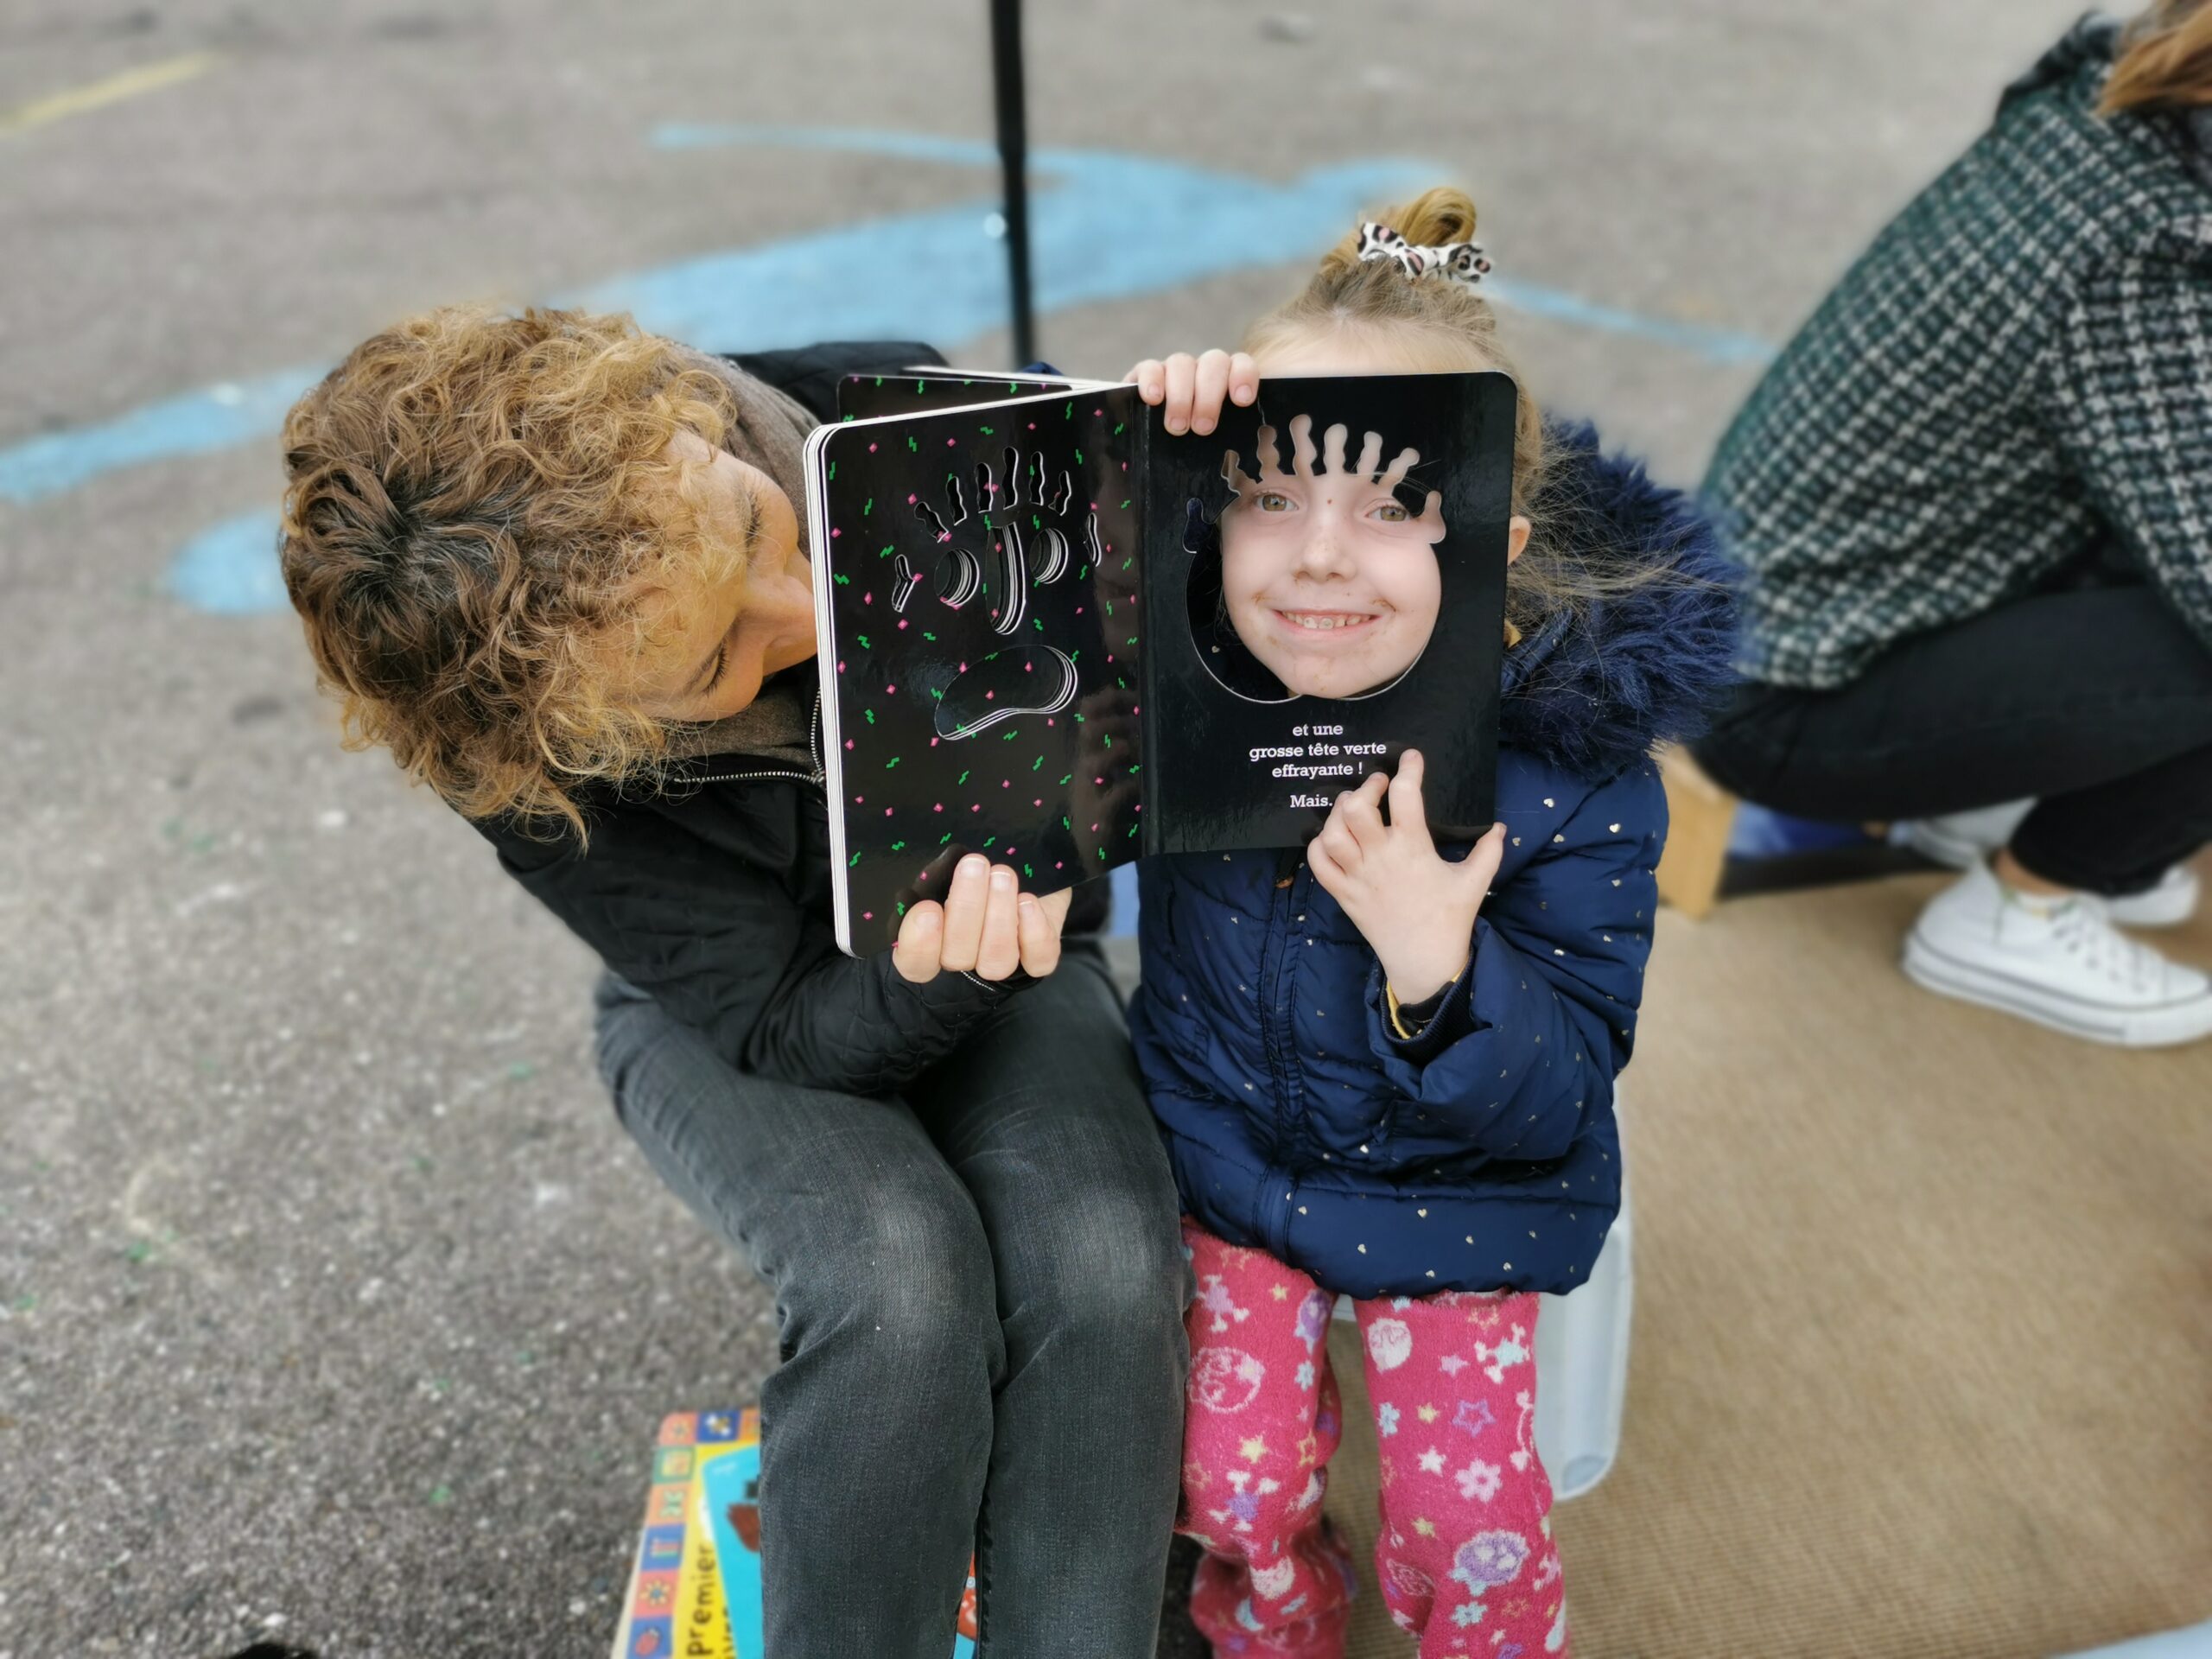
<point x="712" y="894"/>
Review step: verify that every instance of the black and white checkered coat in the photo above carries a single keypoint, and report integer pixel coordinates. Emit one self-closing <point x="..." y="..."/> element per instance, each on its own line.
<point x="2015" y="379"/>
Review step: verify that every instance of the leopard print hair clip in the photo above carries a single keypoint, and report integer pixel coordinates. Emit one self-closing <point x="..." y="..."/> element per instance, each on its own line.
<point x="1456" y="262"/>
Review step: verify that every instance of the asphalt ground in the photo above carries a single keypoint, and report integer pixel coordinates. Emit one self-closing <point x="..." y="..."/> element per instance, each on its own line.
<point x="335" y="1307"/>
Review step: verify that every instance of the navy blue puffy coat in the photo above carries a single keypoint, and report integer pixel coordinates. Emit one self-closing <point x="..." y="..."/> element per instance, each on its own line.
<point x="1483" y="1154"/>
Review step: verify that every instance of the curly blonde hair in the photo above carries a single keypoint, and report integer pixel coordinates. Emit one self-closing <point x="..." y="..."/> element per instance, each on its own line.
<point x="1434" y="325"/>
<point x="475" y="504"/>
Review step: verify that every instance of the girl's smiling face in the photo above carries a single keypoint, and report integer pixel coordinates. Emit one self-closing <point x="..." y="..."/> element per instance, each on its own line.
<point x="1329" y="580"/>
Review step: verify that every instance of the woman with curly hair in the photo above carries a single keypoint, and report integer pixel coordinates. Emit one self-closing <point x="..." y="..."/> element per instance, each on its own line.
<point x="552" y="563"/>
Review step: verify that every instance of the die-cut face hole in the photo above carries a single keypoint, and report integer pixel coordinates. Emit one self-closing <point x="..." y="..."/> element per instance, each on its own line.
<point x="1019" y="680"/>
<point x="1318" y="580"/>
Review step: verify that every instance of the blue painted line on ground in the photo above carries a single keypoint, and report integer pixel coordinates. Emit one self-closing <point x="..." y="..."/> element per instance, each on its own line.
<point x="199" y="423"/>
<point x="231" y="569"/>
<point x="1221" y="206"/>
<point x="1726" y="346"/>
<point x="1105" y="226"/>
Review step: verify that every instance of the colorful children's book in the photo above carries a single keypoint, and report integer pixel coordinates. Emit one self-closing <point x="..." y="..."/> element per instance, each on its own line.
<point x="730" y="1498"/>
<point x="674" y="1609"/>
<point x="695" y="1592"/>
<point x="1056" y="633"/>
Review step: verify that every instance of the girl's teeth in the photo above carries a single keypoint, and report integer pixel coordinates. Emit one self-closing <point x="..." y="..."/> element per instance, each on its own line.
<point x="1326" y="621"/>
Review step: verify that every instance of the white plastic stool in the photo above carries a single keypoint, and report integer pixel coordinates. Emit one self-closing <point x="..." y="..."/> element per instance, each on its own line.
<point x="1582" y="1360"/>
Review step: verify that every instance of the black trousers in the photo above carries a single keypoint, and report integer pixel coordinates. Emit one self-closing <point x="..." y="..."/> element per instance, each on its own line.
<point x="979" y="1287"/>
<point x="2096" y="701"/>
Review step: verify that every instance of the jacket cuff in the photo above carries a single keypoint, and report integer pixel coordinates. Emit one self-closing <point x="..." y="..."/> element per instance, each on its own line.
<point x="1020" y="978"/>
<point x="954" y="989"/>
<point x="957" y="995"/>
<point x="1407" y="1018"/>
<point x="1420" y="1030"/>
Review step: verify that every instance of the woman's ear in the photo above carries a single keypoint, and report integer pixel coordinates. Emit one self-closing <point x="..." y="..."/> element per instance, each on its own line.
<point x="1516" y="536"/>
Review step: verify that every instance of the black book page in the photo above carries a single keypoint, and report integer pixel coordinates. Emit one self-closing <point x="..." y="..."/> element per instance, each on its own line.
<point x="979" y="665"/>
<point x="1235" y="758"/>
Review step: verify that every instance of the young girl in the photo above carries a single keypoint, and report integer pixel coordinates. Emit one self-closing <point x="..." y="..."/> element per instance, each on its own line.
<point x="1385" y="1068"/>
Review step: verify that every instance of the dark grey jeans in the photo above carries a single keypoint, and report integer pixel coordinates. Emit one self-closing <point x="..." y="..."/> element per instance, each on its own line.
<point x="980" y="1291"/>
<point x="2097" y="701"/>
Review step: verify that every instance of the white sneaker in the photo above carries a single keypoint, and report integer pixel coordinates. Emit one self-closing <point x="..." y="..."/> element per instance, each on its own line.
<point x="2169" y="903"/>
<point x="2059" y="962"/>
<point x="1958" y="841"/>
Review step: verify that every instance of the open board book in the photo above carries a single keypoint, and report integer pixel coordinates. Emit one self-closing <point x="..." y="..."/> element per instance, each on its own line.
<point x="1028" y="647"/>
<point x="694" y="1589"/>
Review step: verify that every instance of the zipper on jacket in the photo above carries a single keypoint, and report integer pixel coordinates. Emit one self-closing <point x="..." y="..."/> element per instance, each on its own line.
<point x="816" y="776"/>
<point x="1275" y="1029"/>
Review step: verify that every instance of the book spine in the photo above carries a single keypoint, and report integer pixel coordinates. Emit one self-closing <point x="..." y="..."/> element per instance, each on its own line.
<point x="1158" y="616"/>
<point x="820" y="467"/>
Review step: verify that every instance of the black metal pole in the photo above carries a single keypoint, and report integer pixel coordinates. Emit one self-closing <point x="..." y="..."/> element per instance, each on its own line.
<point x="1013" y="158"/>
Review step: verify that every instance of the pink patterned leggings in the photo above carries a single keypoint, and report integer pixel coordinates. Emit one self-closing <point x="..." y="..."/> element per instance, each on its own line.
<point x="1465" y="1558"/>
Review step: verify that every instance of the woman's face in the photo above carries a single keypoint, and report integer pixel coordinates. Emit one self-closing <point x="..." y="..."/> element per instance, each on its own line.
<point x="719" y="640"/>
<point x="1329" y="580"/>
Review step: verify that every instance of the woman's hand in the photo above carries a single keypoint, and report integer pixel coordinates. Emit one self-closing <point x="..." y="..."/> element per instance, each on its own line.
<point x="1415" y="908"/>
<point x="1191" y="388"/>
<point x="987" y="927"/>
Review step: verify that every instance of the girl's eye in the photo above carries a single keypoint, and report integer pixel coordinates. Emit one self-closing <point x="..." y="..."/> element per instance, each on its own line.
<point x="1272" y="501"/>
<point x="1392" y="513"/>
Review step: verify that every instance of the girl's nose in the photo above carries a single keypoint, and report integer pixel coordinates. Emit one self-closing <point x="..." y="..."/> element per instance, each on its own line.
<point x="1324" y="555"/>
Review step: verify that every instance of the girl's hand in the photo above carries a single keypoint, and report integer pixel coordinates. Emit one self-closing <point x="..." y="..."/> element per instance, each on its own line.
<point x="987" y="927"/>
<point x="1190" y="388"/>
<point x="1415" y="908"/>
